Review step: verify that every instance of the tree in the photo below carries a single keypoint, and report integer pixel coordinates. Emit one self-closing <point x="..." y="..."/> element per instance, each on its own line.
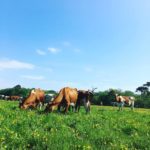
<point x="144" y="99"/>
<point x="142" y="89"/>
<point x="17" y="87"/>
<point x="147" y="85"/>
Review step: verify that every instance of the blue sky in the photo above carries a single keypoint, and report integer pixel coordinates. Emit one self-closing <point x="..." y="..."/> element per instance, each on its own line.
<point x="83" y="44"/>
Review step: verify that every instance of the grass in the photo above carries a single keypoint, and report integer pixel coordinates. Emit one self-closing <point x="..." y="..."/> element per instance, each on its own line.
<point x="104" y="129"/>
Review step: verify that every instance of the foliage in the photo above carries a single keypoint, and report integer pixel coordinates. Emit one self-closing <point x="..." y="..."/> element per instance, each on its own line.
<point x="104" y="128"/>
<point x="144" y="99"/>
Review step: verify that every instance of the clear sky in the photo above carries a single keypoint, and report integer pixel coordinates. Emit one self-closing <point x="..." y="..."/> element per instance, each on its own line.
<point x="50" y="44"/>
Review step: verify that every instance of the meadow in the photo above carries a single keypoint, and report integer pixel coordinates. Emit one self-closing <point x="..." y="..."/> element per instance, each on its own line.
<point x="104" y="128"/>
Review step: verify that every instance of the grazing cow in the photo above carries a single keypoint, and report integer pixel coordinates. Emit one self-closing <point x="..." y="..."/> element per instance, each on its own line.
<point x="48" y="98"/>
<point x="121" y="100"/>
<point x="64" y="98"/>
<point x="14" y="98"/>
<point x="7" y="97"/>
<point x="2" y="97"/>
<point x="35" y="98"/>
<point x="84" y="98"/>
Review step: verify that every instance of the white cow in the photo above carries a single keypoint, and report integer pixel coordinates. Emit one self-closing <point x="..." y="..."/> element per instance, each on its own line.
<point x="48" y="98"/>
<point x="121" y="100"/>
<point x="2" y="96"/>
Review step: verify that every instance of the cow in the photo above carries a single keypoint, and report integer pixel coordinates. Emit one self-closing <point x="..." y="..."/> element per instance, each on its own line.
<point x="48" y="98"/>
<point x="21" y="99"/>
<point x="84" y="98"/>
<point x="35" y="98"/>
<point x="15" y="98"/>
<point x="6" y="97"/>
<point x="121" y="100"/>
<point x="66" y="96"/>
<point x="2" y="97"/>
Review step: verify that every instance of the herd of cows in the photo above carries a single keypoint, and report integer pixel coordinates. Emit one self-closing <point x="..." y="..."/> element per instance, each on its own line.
<point x="66" y="98"/>
<point x="12" y="98"/>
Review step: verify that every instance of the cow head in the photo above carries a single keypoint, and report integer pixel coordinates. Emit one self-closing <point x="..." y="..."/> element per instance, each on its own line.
<point x="25" y="103"/>
<point x="91" y="94"/>
<point x="23" y="106"/>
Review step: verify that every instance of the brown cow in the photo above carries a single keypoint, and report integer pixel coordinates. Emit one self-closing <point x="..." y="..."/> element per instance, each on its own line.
<point x="15" y="98"/>
<point x="64" y="98"/>
<point x="33" y="100"/>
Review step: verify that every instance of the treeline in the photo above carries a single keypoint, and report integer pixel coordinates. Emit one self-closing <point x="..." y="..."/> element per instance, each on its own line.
<point x="20" y="91"/>
<point x="100" y="98"/>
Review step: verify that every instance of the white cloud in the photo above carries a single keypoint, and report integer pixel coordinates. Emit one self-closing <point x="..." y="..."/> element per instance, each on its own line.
<point x="53" y="50"/>
<point x="30" y="77"/>
<point x="40" y="52"/>
<point x="15" y="64"/>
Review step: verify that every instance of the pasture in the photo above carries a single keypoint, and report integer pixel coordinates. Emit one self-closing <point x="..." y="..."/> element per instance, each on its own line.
<point x="105" y="129"/>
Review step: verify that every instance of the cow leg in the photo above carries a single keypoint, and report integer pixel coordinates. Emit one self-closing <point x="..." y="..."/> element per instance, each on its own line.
<point x="132" y="105"/>
<point x="86" y="105"/>
<point x="70" y="108"/>
<point x="58" y="109"/>
<point x="73" y="108"/>
<point x="66" y="110"/>
<point x="122" y="104"/>
<point x="89" y="109"/>
<point x="119" y="106"/>
<point x="42" y="103"/>
<point x="77" y="107"/>
<point x="67" y="107"/>
<point x="39" y="105"/>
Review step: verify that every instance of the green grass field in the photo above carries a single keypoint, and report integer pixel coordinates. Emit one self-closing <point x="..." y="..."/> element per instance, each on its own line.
<point x="104" y="128"/>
